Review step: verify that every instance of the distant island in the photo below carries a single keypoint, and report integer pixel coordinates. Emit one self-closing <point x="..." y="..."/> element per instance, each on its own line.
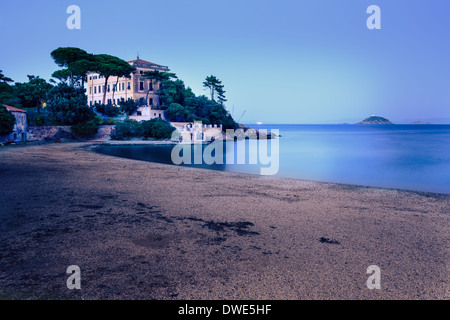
<point x="375" y="120"/>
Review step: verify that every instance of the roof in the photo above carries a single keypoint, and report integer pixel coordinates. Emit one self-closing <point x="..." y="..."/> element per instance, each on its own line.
<point x="9" y="108"/>
<point x="146" y="64"/>
<point x="142" y="61"/>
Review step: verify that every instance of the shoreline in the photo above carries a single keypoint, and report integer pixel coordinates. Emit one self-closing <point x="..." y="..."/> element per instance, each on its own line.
<point x="137" y="143"/>
<point x="144" y="230"/>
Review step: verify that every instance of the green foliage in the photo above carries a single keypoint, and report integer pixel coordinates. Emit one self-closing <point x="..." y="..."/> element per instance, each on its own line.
<point x="107" y="110"/>
<point x="7" y="121"/>
<point x="63" y="57"/>
<point x="154" y="128"/>
<point x="110" y="121"/>
<point x="178" y="113"/>
<point x="127" y="129"/>
<point x="166" y="89"/>
<point x="174" y="92"/>
<point x="87" y="128"/>
<point x="44" y="118"/>
<point x="157" y="128"/>
<point x="186" y="107"/>
<point x="33" y="92"/>
<point x="215" y="86"/>
<point x="7" y="95"/>
<point x="77" y="64"/>
<point x="141" y="102"/>
<point x="68" y="105"/>
<point x="40" y="120"/>
<point x="3" y="78"/>
<point x="108" y="66"/>
<point x="128" y="106"/>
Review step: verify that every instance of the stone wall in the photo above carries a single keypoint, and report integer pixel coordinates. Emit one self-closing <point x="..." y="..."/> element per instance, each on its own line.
<point x="49" y="133"/>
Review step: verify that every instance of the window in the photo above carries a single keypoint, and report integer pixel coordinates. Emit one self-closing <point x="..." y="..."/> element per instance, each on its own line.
<point x="100" y="89"/>
<point x="151" y="101"/>
<point x="139" y="113"/>
<point x="108" y="88"/>
<point x="128" y="87"/>
<point x="95" y="89"/>
<point x="103" y="89"/>
<point x="90" y="90"/>
<point x="151" y="86"/>
<point x="141" y="72"/>
<point x="114" y="87"/>
<point x="123" y="86"/>
<point x="141" y="85"/>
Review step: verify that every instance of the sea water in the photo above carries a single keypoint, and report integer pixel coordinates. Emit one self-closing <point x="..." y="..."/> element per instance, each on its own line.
<point x="412" y="157"/>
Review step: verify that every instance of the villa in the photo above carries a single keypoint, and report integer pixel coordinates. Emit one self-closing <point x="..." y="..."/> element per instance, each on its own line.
<point x="135" y="87"/>
<point x="19" y="133"/>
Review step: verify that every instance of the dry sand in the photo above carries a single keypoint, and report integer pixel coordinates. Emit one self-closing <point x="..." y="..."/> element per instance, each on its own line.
<point x="141" y="230"/>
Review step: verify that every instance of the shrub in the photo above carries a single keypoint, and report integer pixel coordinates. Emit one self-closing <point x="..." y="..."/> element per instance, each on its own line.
<point x="128" y="106"/>
<point x="40" y="120"/>
<point x="110" y="121"/>
<point x="108" y="110"/>
<point x="155" y="128"/>
<point x="7" y="121"/>
<point x="127" y="129"/>
<point x="68" y="105"/>
<point x="87" y="128"/>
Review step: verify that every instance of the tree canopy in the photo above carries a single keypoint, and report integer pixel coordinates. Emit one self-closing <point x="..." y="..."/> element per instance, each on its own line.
<point x="7" y="121"/>
<point x="77" y="64"/>
<point x="185" y="106"/>
<point x="163" y="78"/>
<point x="32" y="93"/>
<point x="215" y="87"/>
<point x="108" y="66"/>
<point x="7" y="95"/>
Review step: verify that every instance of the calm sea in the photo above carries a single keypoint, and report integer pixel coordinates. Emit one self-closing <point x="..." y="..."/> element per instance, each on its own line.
<point x="413" y="157"/>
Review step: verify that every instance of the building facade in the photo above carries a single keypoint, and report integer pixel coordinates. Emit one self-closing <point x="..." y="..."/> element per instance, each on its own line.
<point x="123" y="88"/>
<point x="19" y="133"/>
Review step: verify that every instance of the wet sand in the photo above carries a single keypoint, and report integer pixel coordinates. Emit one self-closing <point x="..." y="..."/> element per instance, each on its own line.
<point x="141" y="230"/>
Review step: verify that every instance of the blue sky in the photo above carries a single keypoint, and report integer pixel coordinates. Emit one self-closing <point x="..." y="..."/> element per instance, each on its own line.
<point x="303" y="61"/>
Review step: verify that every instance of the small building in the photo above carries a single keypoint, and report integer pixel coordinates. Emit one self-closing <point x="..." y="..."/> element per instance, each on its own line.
<point x="147" y="113"/>
<point x="19" y="133"/>
<point x="197" y="132"/>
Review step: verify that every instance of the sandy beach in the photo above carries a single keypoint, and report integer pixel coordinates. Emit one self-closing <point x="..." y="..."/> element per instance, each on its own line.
<point x="141" y="230"/>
